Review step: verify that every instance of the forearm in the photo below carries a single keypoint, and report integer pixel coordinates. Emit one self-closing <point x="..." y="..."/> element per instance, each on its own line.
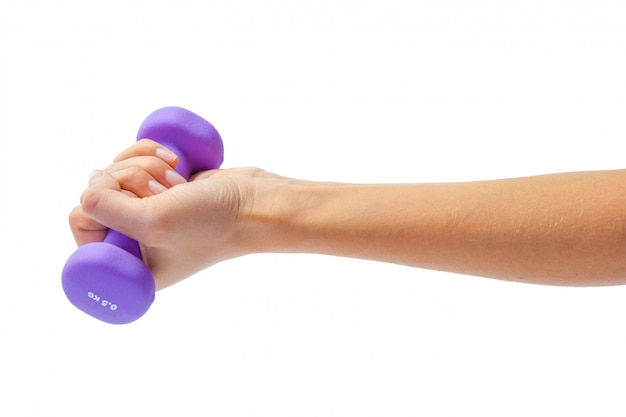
<point x="564" y="229"/>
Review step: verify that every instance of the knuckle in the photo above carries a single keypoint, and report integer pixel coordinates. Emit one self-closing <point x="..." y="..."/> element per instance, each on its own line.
<point x="155" y="165"/>
<point x="134" y="175"/>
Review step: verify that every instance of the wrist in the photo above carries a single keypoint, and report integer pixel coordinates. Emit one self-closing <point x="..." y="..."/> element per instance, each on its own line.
<point x="289" y="215"/>
<point x="270" y="215"/>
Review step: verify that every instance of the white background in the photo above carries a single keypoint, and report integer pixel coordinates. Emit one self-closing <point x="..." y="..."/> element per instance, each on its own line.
<point x="358" y="91"/>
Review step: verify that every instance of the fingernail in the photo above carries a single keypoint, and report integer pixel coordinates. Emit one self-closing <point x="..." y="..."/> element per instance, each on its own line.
<point x="156" y="187"/>
<point x="166" y="155"/>
<point x="93" y="176"/>
<point x="174" y="178"/>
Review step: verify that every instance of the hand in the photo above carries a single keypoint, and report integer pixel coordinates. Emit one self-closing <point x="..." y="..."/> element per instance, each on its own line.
<point x="182" y="227"/>
<point x="561" y="229"/>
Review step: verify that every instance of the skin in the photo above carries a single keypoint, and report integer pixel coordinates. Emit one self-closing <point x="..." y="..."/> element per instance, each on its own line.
<point x="559" y="229"/>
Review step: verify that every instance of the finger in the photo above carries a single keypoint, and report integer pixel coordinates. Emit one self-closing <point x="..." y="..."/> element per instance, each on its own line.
<point x="144" y="175"/>
<point x="147" y="147"/>
<point x="138" y="183"/>
<point x="106" y="204"/>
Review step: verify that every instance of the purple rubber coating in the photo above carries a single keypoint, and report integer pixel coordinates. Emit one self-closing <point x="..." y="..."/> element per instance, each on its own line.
<point x="108" y="280"/>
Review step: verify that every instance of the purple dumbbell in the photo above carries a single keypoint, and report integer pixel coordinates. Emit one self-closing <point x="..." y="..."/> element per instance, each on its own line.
<point x="108" y="280"/>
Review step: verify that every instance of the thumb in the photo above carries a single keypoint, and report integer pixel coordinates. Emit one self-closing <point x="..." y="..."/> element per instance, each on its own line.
<point x="105" y="202"/>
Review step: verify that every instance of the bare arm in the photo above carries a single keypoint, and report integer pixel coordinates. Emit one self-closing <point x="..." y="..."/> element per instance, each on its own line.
<point x="560" y="229"/>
